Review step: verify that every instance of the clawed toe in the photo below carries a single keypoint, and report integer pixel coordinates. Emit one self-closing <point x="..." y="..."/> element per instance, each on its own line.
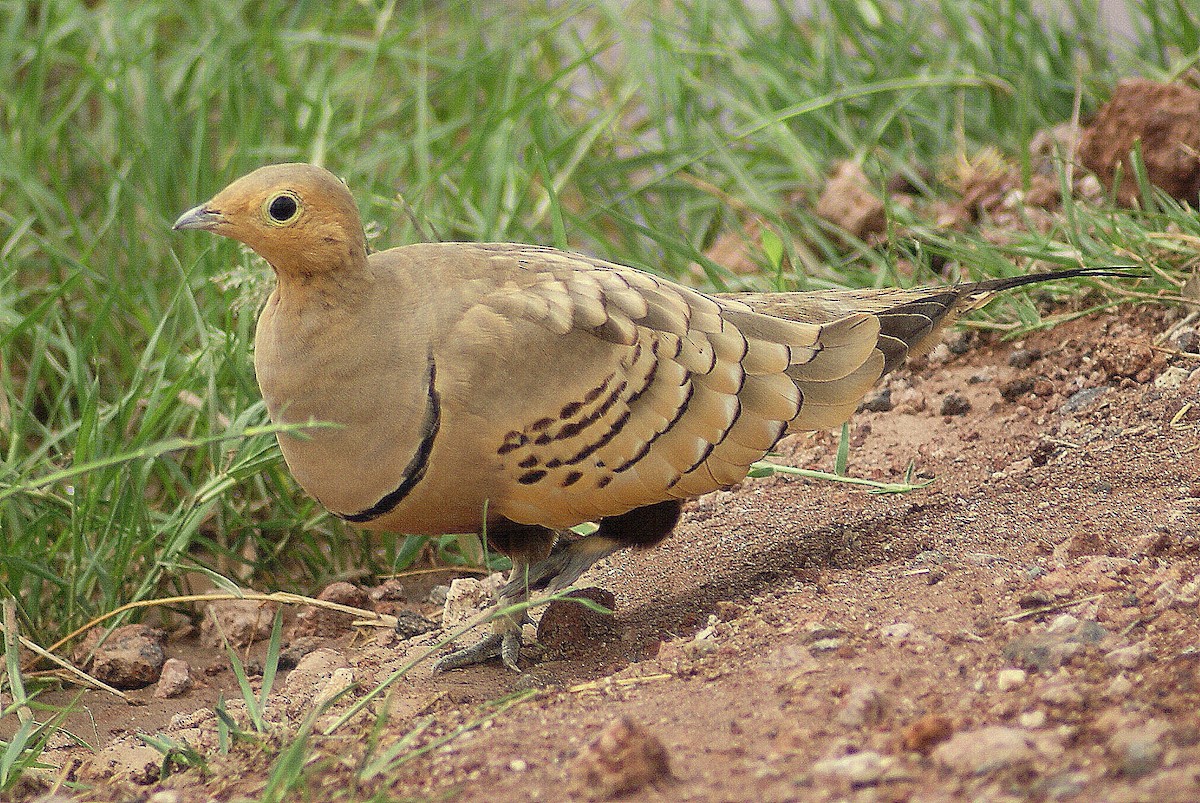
<point x="493" y="646"/>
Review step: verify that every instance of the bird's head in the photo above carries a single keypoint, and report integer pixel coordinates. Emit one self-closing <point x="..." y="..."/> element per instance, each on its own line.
<point x="298" y="217"/>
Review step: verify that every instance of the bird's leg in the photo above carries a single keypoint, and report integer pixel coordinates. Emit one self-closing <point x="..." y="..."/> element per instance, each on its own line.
<point x="505" y="639"/>
<point x="521" y="543"/>
<point x="641" y="527"/>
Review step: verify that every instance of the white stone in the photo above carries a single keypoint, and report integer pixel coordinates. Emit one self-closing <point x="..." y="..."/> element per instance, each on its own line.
<point x="985" y="750"/>
<point x="1009" y="679"/>
<point x="860" y="769"/>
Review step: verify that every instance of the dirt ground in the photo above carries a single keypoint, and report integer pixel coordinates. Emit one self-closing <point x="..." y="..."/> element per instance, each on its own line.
<point x="1024" y="627"/>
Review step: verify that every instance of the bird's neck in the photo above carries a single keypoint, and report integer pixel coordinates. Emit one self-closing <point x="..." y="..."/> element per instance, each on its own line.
<point x="343" y="288"/>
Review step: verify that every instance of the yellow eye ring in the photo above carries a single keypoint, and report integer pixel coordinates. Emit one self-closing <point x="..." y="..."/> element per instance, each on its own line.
<point x="282" y="208"/>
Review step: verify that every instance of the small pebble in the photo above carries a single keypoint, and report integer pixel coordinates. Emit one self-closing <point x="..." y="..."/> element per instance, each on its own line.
<point x="1138" y="750"/>
<point x="1023" y="358"/>
<point x="1009" y="679"/>
<point x="955" y="404"/>
<point x="175" y="679"/>
<point x="860" y="769"/>
<point x="1127" y="657"/>
<point x="1032" y="719"/>
<point x="1188" y="341"/>
<point x="865" y="705"/>
<point x="879" y="401"/>
<point x="1119" y="688"/>
<point x="985" y="750"/>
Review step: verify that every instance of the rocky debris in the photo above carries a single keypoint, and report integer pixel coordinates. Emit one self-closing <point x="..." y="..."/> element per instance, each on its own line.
<point x="130" y="658"/>
<point x="910" y="400"/>
<point x="877" y="401"/>
<point x="1138" y="750"/>
<point x="1009" y="679"/>
<point x="1023" y="358"/>
<point x="1187" y="341"/>
<point x="1014" y="389"/>
<point x="847" y="201"/>
<point x="568" y="627"/>
<point x="175" y="679"/>
<point x="865" y="705"/>
<point x="857" y="769"/>
<point x="680" y="656"/>
<point x="313" y="620"/>
<point x="1130" y="657"/>
<point x="467" y="598"/>
<point x="127" y="759"/>
<point x="1164" y="119"/>
<point x="296" y="649"/>
<point x="624" y="758"/>
<point x="319" y="675"/>
<point x="1047" y="650"/>
<point x="410" y="624"/>
<point x="238" y="622"/>
<point x="1081" y="399"/>
<point x="1125" y="357"/>
<point x="955" y="404"/>
<point x="1172" y="377"/>
<point x="985" y="750"/>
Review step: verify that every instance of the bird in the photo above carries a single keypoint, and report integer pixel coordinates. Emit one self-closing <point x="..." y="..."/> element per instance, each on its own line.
<point x="517" y="391"/>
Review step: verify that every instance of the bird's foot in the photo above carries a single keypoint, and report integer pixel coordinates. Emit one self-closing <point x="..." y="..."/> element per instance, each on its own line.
<point x="504" y="643"/>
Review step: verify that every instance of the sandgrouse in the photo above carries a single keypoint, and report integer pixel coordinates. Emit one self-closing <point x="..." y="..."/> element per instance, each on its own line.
<point x="545" y="387"/>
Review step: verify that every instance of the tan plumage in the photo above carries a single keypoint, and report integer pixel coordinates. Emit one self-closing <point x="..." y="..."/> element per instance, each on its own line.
<point x="553" y="387"/>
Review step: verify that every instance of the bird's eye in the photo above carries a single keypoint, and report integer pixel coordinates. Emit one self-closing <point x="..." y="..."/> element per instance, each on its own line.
<point x="283" y="208"/>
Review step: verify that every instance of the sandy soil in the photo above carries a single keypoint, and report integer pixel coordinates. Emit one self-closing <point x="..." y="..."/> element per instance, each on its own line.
<point x="1025" y="627"/>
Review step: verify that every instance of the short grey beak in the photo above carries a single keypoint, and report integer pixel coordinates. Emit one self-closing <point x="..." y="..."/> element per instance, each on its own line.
<point x="199" y="218"/>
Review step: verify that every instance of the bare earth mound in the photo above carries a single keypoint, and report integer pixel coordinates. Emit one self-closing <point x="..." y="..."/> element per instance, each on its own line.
<point x="1024" y="627"/>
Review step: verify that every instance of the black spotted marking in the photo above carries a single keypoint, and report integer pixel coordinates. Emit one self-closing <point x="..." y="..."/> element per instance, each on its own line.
<point x="530" y="477"/>
<point x="650" y="376"/>
<point x="414" y="472"/>
<point x="570" y="409"/>
<point x="737" y="413"/>
<point x="542" y="440"/>
<point x="604" y="440"/>
<point x="628" y="464"/>
<point x="541" y="423"/>
<point x="645" y="448"/>
<point x="554" y="462"/>
<point x="512" y="441"/>
<point x="597" y="391"/>
<point x="708" y="450"/>
<point x="572" y="478"/>
<point x="604" y="481"/>
<point x="528" y="462"/>
<point x="575" y="427"/>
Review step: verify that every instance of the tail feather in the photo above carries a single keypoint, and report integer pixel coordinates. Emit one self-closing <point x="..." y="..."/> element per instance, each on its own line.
<point x="910" y="321"/>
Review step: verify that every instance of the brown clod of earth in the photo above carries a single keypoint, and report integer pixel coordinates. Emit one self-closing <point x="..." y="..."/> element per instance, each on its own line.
<point x="130" y="658"/>
<point x="314" y="621"/>
<point x="737" y="250"/>
<point x="624" y="758"/>
<point x="240" y="622"/>
<point x="1124" y="357"/>
<point x="926" y="733"/>
<point x="848" y="202"/>
<point x="1165" y="119"/>
<point x="175" y="680"/>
